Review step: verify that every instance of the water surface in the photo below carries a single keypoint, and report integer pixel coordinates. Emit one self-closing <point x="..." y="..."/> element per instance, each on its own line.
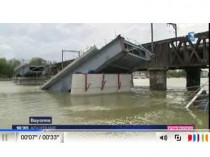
<point x="141" y="106"/>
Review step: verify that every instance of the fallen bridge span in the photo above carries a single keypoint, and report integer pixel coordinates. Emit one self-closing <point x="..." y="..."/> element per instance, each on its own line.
<point x="118" y="56"/>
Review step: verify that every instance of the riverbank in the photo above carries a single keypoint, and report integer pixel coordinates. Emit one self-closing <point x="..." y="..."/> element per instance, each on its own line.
<point x="5" y="79"/>
<point x="29" y="80"/>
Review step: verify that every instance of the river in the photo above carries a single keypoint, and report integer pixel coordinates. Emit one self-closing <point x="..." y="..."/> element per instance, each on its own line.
<point x="141" y="106"/>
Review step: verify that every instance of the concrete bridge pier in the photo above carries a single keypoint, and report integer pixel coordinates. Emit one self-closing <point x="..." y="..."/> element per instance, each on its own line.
<point x="193" y="78"/>
<point x="158" y="78"/>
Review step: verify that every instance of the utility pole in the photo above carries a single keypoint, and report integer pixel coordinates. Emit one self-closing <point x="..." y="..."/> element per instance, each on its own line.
<point x="69" y="51"/>
<point x="152" y="46"/>
<point x="62" y="59"/>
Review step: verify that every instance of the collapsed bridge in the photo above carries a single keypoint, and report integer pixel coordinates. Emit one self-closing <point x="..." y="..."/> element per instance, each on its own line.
<point x="118" y="56"/>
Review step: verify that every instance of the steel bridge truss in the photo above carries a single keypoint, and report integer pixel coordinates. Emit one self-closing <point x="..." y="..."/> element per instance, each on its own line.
<point x="184" y="53"/>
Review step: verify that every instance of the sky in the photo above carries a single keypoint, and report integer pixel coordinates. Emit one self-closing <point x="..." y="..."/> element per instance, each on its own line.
<point x="25" y="41"/>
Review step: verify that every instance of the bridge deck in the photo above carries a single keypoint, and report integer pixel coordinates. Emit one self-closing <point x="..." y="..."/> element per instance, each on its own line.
<point x="119" y="56"/>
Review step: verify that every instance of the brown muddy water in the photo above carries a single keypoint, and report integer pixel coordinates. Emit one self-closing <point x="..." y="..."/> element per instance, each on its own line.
<point x="141" y="106"/>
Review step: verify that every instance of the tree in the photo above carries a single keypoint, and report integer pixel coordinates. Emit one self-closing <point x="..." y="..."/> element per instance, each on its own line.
<point x="3" y="67"/>
<point x="12" y="64"/>
<point x="38" y="61"/>
<point x="176" y="73"/>
<point x="7" y="66"/>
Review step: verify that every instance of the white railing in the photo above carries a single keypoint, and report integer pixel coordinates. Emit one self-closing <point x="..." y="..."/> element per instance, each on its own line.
<point x="198" y="93"/>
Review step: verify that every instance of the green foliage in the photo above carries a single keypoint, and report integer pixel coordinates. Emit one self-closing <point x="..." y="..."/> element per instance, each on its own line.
<point x="176" y="73"/>
<point x="38" y="61"/>
<point x="7" y="67"/>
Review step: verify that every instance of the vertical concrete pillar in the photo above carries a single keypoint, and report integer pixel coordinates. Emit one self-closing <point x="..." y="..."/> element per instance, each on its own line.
<point x="157" y="78"/>
<point x="193" y="78"/>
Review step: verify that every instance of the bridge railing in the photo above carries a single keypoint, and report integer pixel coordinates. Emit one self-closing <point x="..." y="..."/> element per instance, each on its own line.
<point x="55" y="68"/>
<point x="180" y="52"/>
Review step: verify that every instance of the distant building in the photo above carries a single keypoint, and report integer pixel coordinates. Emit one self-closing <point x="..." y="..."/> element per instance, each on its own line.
<point x="26" y="70"/>
<point x="29" y="74"/>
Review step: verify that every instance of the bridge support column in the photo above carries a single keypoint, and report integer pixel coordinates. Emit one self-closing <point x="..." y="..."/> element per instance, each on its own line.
<point x="158" y="78"/>
<point x="193" y="78"/>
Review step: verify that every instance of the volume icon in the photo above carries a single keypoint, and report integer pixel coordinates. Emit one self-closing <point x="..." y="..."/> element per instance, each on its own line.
<point x="164" y="137"/>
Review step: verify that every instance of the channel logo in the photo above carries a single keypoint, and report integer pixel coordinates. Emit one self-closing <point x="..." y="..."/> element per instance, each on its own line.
<point x="198" y="137"/>
<point x="191" y="36"/>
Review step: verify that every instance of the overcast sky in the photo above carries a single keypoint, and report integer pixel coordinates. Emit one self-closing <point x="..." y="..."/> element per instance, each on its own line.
<point x="24" y="41"/>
